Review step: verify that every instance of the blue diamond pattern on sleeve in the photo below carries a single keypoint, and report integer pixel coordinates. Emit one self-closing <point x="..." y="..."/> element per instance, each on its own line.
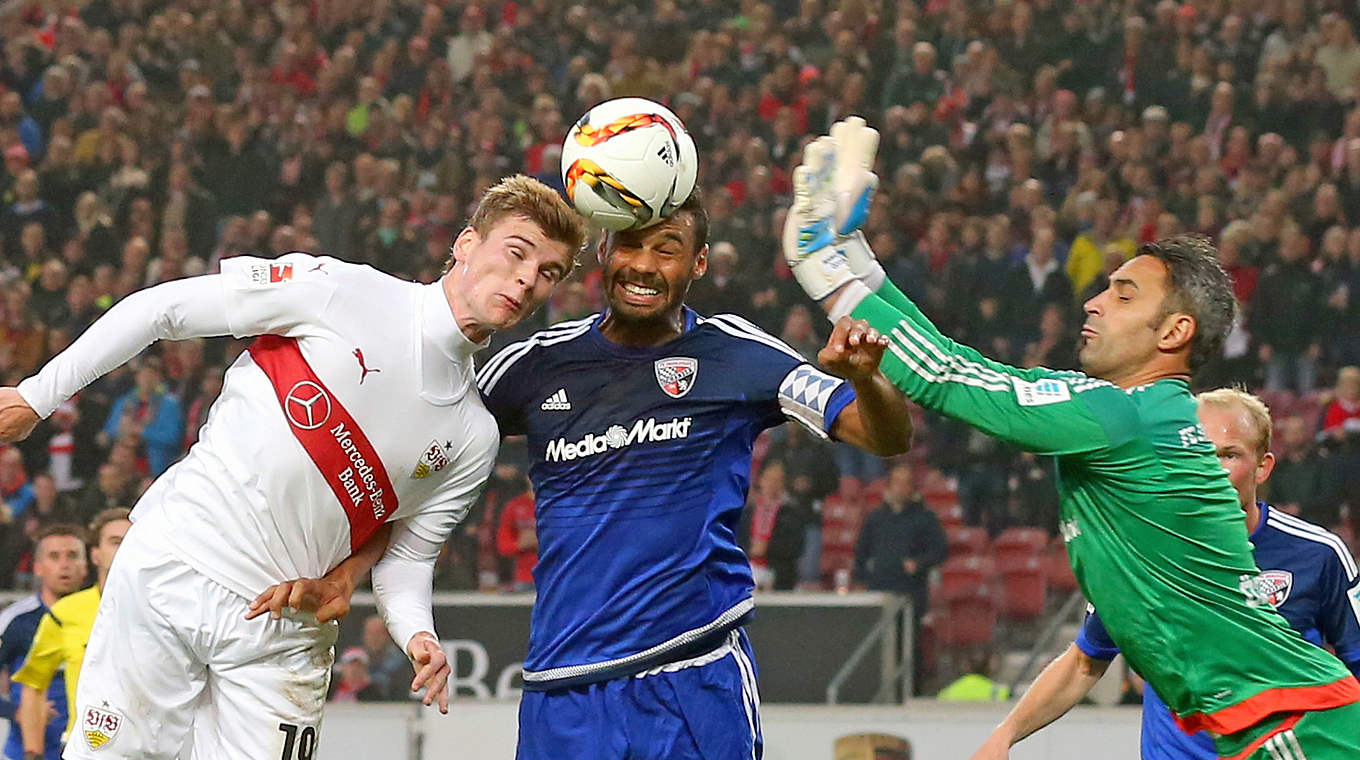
<point x="804" y="394"/>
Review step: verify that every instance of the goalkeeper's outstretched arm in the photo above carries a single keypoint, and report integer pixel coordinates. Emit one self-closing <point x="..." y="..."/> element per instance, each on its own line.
<point x="1037" y="409"/>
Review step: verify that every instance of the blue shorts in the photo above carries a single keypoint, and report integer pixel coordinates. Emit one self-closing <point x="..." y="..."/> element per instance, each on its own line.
<point x="703" y="708"/>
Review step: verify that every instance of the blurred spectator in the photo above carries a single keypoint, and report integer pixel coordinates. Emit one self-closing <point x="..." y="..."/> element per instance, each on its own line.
<point x="724" y="289"/>
<point x="1055" y="348"/>
<point x="15" y="489"/>
<point x="517" y="541"/>
<point x="355" y="684"/>
<point x="899" y="544"/>
<point x="977" y="684"/>
<point x="111" y="488"/>
<point x="387" y="665"/>
<point x="50" y="506"/>
<point x="150" y="416"/>
<point x="1342" y="416"/>
<point x="774" y="530"/>
<point x="1302" y="483"/>
<point x="1284" y="316"/>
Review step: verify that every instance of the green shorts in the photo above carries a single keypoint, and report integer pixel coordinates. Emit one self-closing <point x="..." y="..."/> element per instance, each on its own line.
<point x="1315" y="735"/>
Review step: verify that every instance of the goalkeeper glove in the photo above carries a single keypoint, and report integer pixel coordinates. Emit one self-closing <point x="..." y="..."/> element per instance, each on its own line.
<point x="853" y="186"/>
<point x="809" y="234"/>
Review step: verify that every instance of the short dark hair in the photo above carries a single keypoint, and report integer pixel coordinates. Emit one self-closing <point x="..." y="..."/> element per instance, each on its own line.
<point x="60" y="529"/>
<point x="112" y="514"/>
<point x="1198" y="286"/>
<point x="694" y="206"/>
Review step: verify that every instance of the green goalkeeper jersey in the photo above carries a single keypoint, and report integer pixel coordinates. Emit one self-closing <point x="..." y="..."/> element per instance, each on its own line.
<point x="1153" y="527"/>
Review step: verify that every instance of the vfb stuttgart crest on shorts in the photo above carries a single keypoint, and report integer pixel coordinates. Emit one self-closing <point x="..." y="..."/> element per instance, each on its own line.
<point x="100" y="726"/>
<point x="1275" y="586"/>
<point x="676" y="375"/>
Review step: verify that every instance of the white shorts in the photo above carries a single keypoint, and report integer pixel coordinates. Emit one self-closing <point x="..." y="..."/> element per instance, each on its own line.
<point x="174" y="670"/>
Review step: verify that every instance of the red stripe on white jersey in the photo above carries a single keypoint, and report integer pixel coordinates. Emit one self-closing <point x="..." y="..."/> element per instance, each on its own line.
<point x="341" y="452"/>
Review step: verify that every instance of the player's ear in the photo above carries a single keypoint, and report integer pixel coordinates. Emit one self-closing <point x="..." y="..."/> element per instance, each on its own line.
<point x="1178" y="329"/>
<point x="1264" y="468"/>
<point x="700" y="262"/>
<point x="466" y="241"/>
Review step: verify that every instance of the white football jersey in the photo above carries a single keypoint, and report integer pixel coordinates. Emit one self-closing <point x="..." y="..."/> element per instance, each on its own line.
<point x="357" y="406"/>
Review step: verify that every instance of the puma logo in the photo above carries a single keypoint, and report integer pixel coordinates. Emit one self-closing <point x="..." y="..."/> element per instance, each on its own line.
<point x="363" y="367"/>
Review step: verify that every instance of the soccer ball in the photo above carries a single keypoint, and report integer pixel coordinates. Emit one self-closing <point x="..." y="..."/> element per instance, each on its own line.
<point x="628" y="163"/>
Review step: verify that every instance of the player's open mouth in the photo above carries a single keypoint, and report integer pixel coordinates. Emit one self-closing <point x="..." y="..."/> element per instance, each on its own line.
<point x="638" y="294"/>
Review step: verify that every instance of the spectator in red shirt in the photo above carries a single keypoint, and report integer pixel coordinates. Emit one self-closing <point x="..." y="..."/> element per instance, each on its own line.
<point x="354" y="684"/>
<point x="516" y="539"/>
<point x="782" y="91"/>
<point x="1342" y="417"/>
<point x="1244" y="276"/>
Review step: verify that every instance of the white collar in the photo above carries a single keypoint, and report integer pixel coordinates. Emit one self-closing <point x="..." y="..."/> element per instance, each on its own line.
<point x="441" y="329"/>
<point x="446" y="372"/>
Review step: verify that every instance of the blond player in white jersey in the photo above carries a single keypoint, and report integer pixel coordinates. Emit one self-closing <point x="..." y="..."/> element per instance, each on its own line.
<point x="357" y="407"/>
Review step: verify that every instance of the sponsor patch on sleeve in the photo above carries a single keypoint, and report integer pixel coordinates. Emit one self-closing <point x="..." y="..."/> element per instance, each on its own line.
<point x="1041" y="392"/>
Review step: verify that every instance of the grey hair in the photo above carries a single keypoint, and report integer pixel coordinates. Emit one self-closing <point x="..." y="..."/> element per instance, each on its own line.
<point x="1198" y="286"/>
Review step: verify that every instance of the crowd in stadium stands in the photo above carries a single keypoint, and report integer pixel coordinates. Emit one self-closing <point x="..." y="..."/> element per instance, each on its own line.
<point x="1027" y="149"/>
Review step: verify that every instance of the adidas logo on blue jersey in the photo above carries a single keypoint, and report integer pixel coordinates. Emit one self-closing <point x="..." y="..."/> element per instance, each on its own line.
<point x="557" y="402"/>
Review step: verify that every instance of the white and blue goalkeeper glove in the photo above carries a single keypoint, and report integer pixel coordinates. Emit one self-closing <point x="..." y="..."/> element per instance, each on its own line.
<point x="853" y="184"/>
<point x="809" y="231"/>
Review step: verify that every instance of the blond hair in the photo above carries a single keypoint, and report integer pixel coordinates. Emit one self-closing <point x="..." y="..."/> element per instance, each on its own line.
<point x="1257" y="412"/>
<point x="526" y="197"/>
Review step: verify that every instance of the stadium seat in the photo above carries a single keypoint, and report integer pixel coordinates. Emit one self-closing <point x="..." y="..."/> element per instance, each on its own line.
<point x="937" y="490"/>
<point x="951" y="516"/>
<point x="1024" y="588"/>
<point x="841" y="522"/>
<point x="1058" y="568"/>
<point x="965" y="541"/>
<point x="970" y="617"/>
<point x="1019" y="544"/>
<point x="965" y="572"/>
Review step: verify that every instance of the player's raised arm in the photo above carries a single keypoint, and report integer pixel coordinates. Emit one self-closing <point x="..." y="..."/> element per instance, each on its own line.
<point x="1038" y="410"/>
<point x="877" y="420"/>
<point x="244" y="300"/>
<point x="1058" y="689"/>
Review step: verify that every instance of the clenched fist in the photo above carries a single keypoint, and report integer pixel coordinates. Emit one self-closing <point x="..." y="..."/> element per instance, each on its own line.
<point x="17" y="418"/>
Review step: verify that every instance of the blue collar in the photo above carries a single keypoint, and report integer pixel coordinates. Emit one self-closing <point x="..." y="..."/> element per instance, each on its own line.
<point x="1260" y="526"/>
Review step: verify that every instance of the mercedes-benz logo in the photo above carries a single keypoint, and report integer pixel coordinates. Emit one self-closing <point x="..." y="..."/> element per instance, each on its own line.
<point x="307" y="405"/>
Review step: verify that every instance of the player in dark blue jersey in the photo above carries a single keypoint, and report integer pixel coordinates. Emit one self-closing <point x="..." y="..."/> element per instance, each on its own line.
<point x="1308" y="575"/>
<point x="59" y="565"/>
<point x="640" y="423"/>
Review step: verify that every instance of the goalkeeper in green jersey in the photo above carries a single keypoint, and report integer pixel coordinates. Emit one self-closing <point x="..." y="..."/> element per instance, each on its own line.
<point x="1152" y="524"/>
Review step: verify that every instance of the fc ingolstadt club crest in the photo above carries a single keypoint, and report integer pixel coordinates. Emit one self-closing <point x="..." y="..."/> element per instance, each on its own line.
<point x="676" y="375"/>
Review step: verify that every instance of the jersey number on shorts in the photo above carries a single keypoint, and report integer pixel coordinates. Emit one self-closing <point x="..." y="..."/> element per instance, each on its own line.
<point x="304" y="740"/>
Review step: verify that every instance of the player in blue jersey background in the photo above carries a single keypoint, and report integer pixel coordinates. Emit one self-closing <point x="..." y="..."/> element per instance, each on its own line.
<point x="640" y="422"/>
<point x="1307" y="574"/>
<point x="60" y="566"/>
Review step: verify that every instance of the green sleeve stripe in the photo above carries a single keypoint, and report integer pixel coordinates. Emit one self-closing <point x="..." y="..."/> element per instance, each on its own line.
<point x="948" y="368"/>
<point x="895" y="298"/>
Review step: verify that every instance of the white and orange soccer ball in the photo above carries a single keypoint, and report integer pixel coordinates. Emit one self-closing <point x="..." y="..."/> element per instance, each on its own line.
<point x="628" y="162"/>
